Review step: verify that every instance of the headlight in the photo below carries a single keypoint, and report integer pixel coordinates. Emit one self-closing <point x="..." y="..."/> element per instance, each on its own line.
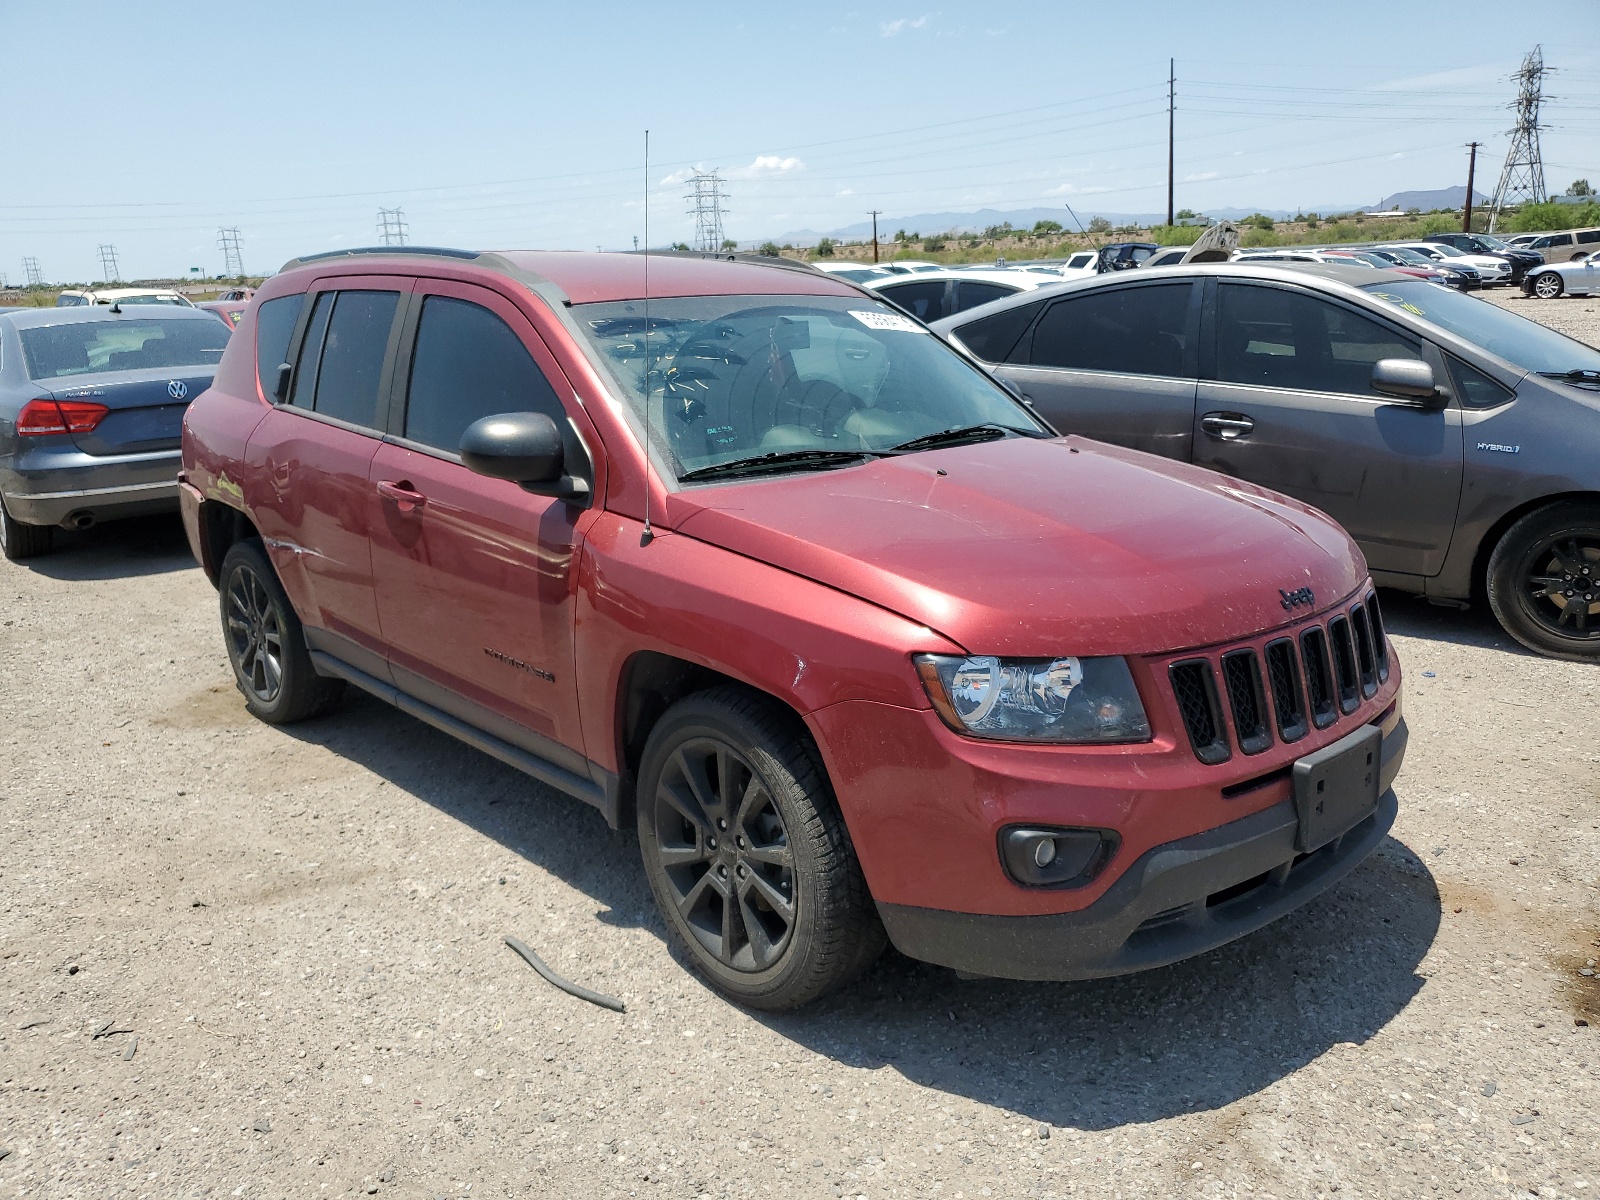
<point x="1035" y="699"/>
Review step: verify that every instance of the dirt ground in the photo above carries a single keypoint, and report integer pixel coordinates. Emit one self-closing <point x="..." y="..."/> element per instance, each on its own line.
<point x="290" y="944"/>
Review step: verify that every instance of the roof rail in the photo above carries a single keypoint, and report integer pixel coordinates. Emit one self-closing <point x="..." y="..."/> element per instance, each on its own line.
<point x="759" y="260"/>
<point x="354" y="251"/>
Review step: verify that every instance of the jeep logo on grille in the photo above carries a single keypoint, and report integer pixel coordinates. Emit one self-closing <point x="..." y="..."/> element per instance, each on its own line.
<point x="1296" y="598"/>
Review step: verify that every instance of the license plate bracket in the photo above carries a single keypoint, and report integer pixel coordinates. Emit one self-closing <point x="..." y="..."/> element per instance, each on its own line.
<point x="1337" y="787"/>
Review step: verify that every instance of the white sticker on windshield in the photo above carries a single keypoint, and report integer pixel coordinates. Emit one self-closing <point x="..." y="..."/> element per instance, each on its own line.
<point x="886" y="320"/>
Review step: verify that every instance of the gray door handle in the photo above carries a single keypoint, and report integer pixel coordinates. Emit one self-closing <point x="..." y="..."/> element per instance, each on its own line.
<point x="1226" y="426"/>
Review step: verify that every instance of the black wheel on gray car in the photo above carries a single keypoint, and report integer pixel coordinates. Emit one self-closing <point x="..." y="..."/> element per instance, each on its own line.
<point x="748" y="855"/>
<point x="19" y="541"/>
<point x="1544" y="580"/>
<point x="1547" y="286"/>
<point x="266" y="646"/>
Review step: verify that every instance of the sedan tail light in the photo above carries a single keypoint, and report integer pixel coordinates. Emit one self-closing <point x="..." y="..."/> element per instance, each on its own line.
<point x="39" y="417"/>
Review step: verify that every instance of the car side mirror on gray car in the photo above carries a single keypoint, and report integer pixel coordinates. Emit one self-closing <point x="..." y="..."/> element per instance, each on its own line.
<point x="1408" y="379"/>
<point x="526" y="448"/>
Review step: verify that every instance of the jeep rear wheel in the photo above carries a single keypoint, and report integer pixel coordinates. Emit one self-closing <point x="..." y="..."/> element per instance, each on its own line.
<point x="266" y="646"/>
<point x="747" y="853"/>
<point x="19" y="541"/>
<point x="1544" y="580"/>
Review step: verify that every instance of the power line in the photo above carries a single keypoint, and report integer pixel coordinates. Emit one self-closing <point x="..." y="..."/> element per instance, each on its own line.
<point x="705" y="206"/>
<point x="109" y="270"/>
<point x="232" y="255"/>
<point x="1522" y="177"/>
<point x="392" y="226"/>
<point x="30" y="267"/>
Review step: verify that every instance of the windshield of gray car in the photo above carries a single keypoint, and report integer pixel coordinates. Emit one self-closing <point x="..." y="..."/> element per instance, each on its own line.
<point x="91" y="347"/>
<point x="1516" y="339"/>
<point x="726" y="378"/>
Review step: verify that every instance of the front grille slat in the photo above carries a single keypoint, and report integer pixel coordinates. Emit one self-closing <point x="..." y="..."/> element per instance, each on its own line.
<point x="1380" y="639"/>
<point x="1241" y="675"/>
<point x="1283" y="675"/>
<point x="1319" y="677"/>
<point x="1347" y="685"/>
<point x="1195" y="688"/>
<point x="1366" y="656"/>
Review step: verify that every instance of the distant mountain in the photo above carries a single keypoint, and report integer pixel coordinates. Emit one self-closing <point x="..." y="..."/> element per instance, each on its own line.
<point x="1450" y="197"/>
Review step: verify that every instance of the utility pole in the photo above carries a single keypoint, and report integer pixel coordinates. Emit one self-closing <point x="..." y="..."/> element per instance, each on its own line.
<point x="108" y="263"/>
<point x="875" y="214"/>
<point x="1522" y="177"/>
<point x="1172" y="95"/>
<point x="30" y="268"/>
<point x="1472" y="166"/>
<point x="392" y="226"/>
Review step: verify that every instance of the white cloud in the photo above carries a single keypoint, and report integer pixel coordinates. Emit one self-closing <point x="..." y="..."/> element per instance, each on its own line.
<point x="681" y="176"/>
<point x="846" y="192"/>
<point x="1201" y="177"/>
<point x="767" y="164"/>
<point x="1069" y="189"/>
<point x="1483" y="73"/>
<point x="891" y="29"/>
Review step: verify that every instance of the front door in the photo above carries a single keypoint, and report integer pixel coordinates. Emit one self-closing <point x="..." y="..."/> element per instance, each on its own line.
<point x="1289" y="405"/>
<point x="315" y="453"/>
<point x="1116" y="364"/>
<point x="475" y="576"/>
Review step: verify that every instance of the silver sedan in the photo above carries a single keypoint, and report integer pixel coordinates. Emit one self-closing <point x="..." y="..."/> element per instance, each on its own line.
<point x="1581" y="277"/>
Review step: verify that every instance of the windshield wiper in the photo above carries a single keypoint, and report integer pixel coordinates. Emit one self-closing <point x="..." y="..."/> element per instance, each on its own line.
<point x="786" y="460"/>
<point x="1576" y="375"/>
<point x="966" y="434"/>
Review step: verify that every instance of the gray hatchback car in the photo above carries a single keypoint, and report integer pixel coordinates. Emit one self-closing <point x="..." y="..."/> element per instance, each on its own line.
<point x="1458" y="443"/>
<point x="91" y="413"/>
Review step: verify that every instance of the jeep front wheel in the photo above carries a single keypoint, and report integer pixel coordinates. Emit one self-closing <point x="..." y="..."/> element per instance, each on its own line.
<point x="748" y="855"/>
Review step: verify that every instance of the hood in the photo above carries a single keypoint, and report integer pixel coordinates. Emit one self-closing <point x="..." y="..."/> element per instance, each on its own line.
<point x="1039" y="547"/>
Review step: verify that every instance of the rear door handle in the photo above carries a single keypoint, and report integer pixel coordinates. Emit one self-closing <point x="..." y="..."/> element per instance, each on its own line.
<point x="403" y="494"/>
<point x="1226" y="426"/>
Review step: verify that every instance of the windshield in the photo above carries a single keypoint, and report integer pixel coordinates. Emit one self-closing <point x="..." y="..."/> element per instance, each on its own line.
<point x="148" y="299"/>
<point x="1493" y="243"/>
<point x="731" y="377"/>
<point x="1447" y="251"/>
<point x="1516" y="339"/>
<point x="87" y="347"/>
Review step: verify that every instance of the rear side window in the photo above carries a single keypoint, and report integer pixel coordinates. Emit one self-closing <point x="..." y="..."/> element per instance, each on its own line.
<point x="468" y="364"/>
<point x="92" y="347"/>
<point x="994" y="337"/>
<point x="925" y="300"/>
<point x="1133" y="330"/>
<point x="972" y="293"/>
<point x="1588" y="236"/>
<point x="351" y="332"/>
<point x="1271" y="337"/>
<point x="275" y="321"/>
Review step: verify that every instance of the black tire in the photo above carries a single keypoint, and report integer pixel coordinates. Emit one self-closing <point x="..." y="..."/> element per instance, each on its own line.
<point x="266" y="645"/>
<point x="1544" y="580"/>
<point x="1547" y="286"/>
<point x="736" y="817"/>
<point x="19" y="541"/>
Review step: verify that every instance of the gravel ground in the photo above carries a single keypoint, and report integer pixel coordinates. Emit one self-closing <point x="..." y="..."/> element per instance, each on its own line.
<point x="296" y="939"/>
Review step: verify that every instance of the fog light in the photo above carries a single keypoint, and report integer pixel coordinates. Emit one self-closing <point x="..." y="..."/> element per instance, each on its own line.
<point x="1053" y="857"/>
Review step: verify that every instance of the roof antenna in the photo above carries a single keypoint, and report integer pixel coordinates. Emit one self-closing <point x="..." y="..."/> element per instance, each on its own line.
<point x="648" y="535"/>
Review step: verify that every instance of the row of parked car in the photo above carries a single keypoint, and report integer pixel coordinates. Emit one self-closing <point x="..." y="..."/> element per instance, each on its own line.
<point x="818" y="599"/>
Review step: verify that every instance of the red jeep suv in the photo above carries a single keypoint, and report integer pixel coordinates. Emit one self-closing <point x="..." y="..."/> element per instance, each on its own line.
<point x="739" y="554"/>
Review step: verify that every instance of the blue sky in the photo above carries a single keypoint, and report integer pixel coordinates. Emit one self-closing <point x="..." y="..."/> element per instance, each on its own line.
<point x="508" y="125"/>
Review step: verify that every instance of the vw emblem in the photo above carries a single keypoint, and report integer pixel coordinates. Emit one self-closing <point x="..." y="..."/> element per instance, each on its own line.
<point x="177" y="389"/>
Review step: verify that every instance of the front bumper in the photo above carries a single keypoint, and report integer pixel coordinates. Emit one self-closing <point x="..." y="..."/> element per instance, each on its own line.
<point x="1178" y="900"/>
<point x="64" y="486"/>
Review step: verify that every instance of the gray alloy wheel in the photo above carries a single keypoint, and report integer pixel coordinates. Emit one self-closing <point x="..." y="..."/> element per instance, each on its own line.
<point x="265" y="643"/>
<point x="1547" y="286"/>
<point x="19" y="541"/>
<point x="747" y="853"/>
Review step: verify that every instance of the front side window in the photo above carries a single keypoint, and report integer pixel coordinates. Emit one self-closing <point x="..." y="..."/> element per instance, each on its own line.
<point x="468" y="364"/>
<point x="1271" y="337"/>
<point x="724" y="378"/>
<point x="91" y="347"/>
<point x="342" y="360"/>
<point x="1132" y="330"/>
<point x="66" y="301"/>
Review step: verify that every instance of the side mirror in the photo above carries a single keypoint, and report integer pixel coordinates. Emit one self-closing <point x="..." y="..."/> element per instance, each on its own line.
<point x="1405" y="379"/>
<point x="526" y="448"/>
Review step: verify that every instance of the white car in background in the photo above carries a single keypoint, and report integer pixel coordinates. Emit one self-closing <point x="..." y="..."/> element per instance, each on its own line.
<point x="910" y="266"/>
<point x="853" y="271"/>
<point x="932" y="295"/>
<point x="80" y="299"/>
<point x="1492" y="269"/>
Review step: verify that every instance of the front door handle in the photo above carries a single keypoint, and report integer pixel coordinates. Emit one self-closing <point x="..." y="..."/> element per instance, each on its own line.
<point x="406" y="497"/>
<point x="1226" y="426"/>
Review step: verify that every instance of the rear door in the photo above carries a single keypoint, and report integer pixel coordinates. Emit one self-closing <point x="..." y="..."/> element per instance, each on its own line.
<point x="475" y="576"/>
<point x="1288" y="403"/>
<point x="315" y="450"/>
<point x="1117" y="363"/>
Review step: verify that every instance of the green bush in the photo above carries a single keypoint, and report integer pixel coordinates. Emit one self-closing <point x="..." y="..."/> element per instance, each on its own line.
<point x="1176" y="235"/>
<point x="825" y="248"/>
<point x="1099" y="225"/>
<point x="770" y="249"/>
<point x="1533" y="218"/>
<point x="933" y="243"/>
<point x="1046" y="228"/>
